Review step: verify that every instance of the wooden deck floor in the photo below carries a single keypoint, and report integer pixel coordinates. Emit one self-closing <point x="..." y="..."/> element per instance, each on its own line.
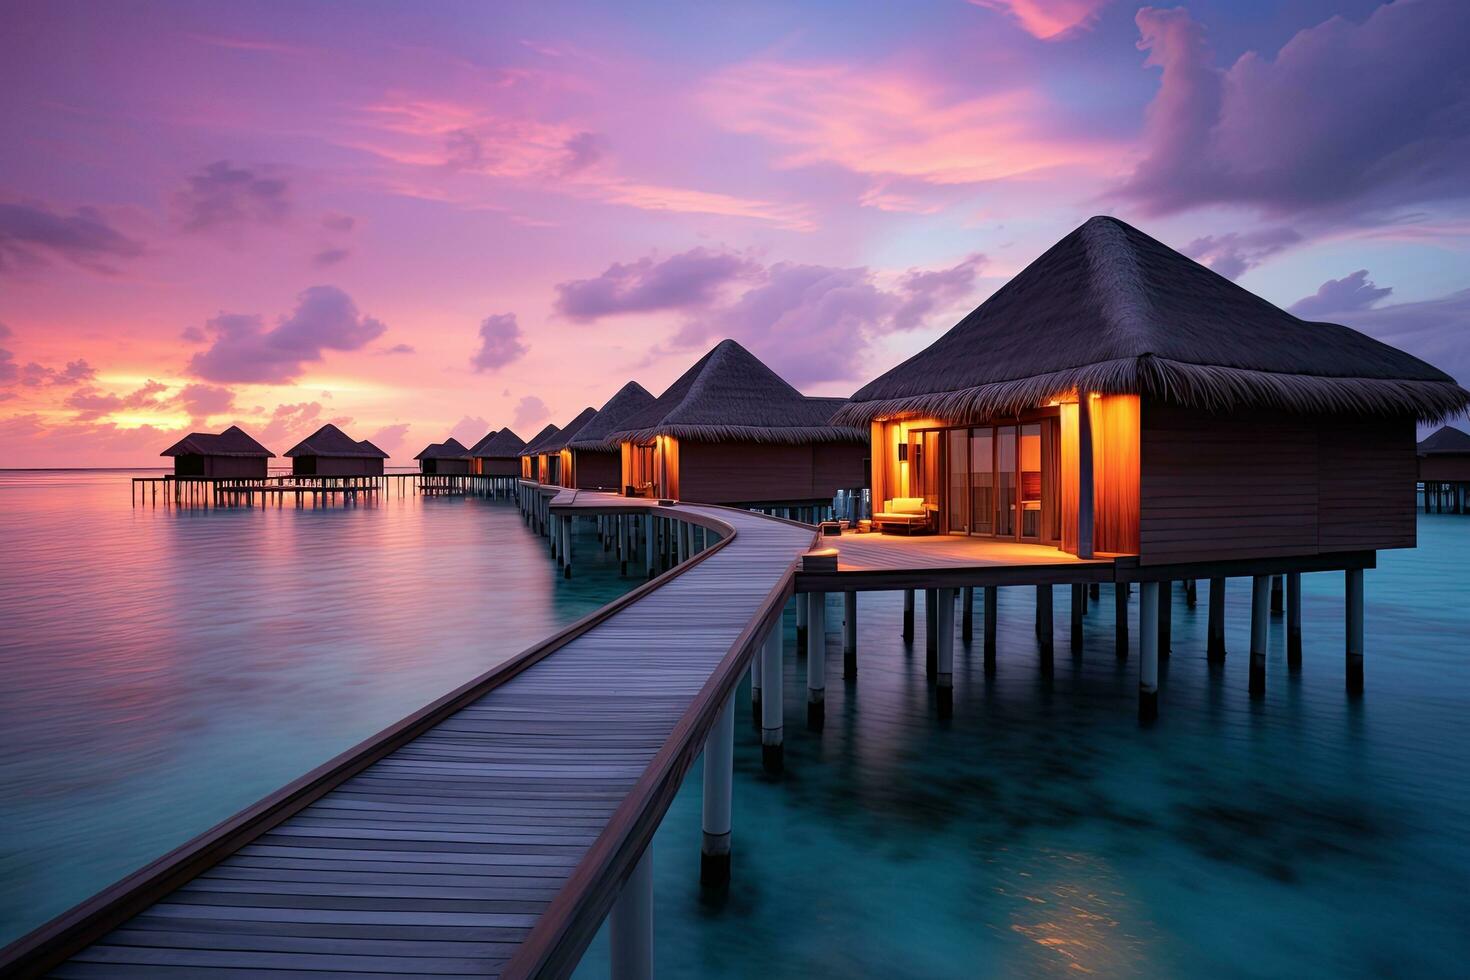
<point x="441" y="857"/>
<point x="888" y="561"/>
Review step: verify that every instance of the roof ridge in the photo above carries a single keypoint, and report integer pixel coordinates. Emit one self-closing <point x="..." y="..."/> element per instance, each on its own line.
<point x="1117" y="281"/>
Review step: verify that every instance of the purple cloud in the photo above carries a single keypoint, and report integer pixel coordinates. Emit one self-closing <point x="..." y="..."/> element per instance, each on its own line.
<point x="5" y="332"/>
<point x="35" y="375"/>
<point x="202" y="400"/>
<point x="193" y="335"/>
<point x="583" y="150"/>
<point x="330" y="256"/>
<point x="226" y="198"/>
<point x="9" y="370"/>
<point x="530" y="411"/>
<point x="1233" y="253"/>
<point x="338" y="222"/>
<point x="928" y="290"/>
<point x="682" y="281"/>
<point x="1351" y="293"/>
<point x="90" y="403"/>
<point x="390" y="437"/>
<point x="469" y="430"/>
<point x="243" y="350"/>
<point x="29" y="234"/>
<point x="292" y="422"/>
<point x="397" y="349"/>
<point x="500" y="344"/>
<point x="1346" y="117"/>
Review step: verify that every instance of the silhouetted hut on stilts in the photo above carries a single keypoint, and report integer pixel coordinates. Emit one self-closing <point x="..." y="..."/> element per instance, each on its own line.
<point x="331" y="452"/>
<point x="590" y="459"/>
<point x="448" y="458"/>
<point x="731" y="431"/>
<point x="1118" y="399"/>
<point x="230" y="454"/>
<point x="531" y="455"/>
<point x="1444" y="469"/>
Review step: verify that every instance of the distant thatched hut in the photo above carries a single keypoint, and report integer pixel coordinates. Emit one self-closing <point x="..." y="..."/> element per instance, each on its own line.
<point x="731" y="431"/>
<point x="1444" y="469"/>
<point x="448" y="458"/>
<point x="1215" y="427"/>
<point x="231" y="454"/>
<point x="498" y="454"/>
<point x="331" y="452"/>
<point x="531" y="455"/>
<point x="590" y="458"/>
<point x="549" y="451"/>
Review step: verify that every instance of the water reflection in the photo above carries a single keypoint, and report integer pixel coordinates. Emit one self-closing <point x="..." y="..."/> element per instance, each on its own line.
<point x="161" y="668"/>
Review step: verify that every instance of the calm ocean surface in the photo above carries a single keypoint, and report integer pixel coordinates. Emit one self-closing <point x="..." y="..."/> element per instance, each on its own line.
<point x="160" y="670"/>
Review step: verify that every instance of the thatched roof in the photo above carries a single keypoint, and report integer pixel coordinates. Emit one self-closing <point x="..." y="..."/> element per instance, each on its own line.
<point x="501" y="444"/>
<point x="332" y="441"/>
<point x="568" y="431"/>
<point x="1446" y="440"/>
<point x="450" y="448"/>
<point x="533" y="448"/>
<point x="1110" y="309"/>
<point x="594" y="436"/>
<point x="232" y="442"/>
<point x="729" y="395"/>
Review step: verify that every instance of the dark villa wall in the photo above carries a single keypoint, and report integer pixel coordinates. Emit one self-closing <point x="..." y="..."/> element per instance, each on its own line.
<point x="336" y="466"/>
<point x="500" y="467"/>
<point x="1267" y="485"/>
<point x="1444" y="469"/>
<point x="750" y="473"/>
<point x="445" y="467"/>
<point x="222" y="467"/>
<point x="597" y="471"/>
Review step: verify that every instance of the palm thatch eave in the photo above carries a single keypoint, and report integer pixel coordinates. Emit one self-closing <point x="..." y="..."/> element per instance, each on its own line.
<point x="747" y="433"/>
<point x="1207" y="387"/>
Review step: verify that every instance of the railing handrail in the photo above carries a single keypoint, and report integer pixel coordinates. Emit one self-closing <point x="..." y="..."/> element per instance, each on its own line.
<point x="49" y="944"/>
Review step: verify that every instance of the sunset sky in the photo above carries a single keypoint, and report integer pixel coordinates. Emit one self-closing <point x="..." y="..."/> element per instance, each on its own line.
<point x="418" y="219"/>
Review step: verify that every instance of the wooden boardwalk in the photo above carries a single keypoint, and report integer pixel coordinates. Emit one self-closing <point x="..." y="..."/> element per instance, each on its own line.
<point x="487" y="837"/>
<point x="885" y="561"/>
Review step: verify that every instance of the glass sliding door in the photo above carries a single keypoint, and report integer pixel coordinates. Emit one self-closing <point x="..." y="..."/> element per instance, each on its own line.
<point x="957" y="511"/>
<point x="1005" y="481"/>
<point x="982" y="481"/>
<point x="1030" y="473"/>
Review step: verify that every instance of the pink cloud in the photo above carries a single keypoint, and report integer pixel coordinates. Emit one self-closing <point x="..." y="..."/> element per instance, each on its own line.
<point x="691" y="278"/>
<point x="529" y="411"/>
<point x="500" y="344"/>
<point x="890" y="124"/>
<point x="1047" y="19"/>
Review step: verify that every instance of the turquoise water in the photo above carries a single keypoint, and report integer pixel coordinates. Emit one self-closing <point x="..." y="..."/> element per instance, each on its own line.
<point x="162" y="669"/>
<point x="159" y="670"/>
<point x="1042" y="832"/>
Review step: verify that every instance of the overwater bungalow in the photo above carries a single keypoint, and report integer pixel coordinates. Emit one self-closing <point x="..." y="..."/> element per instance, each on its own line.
<point x="551" y="454"/>
<point x="331" y="452"/>
<point x="231" y="454"/>
<point x="590" y="458"/>
<point x="1444" y="469"/>
<point x="497" y="454"/>
<point x="447" y="458"/>
<point x="1118" y="400"/>
<point x="732" y="431"/>
<point x="531" y="455"/>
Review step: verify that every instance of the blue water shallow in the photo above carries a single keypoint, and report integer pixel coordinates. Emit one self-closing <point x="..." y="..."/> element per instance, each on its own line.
<point x="159" y="670"/>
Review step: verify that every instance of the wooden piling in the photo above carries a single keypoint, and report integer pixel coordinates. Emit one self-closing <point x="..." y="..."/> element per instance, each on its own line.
<point x="1215" y="633"/>
<point x="992" y="603"/>
<point x="1260" y="616"/>
<point x="1294" y="619"/>
<point x="1353" y="607"/>
<point x="849" y="635"/>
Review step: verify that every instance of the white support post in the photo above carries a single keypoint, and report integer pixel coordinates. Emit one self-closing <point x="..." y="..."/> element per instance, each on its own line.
<point x="630" y="923"/>
<point x="1148" y="651"/>
<point x="816" y="659"/>
<point x="944" y="652"/>
<point x="772" y="709"/>
<point x="719" y="775"/>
